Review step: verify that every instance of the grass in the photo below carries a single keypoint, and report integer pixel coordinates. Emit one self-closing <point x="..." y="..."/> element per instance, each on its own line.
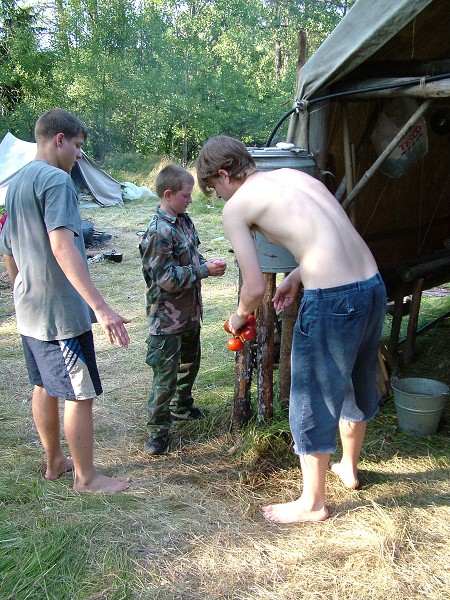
<point x="190" y="527"/>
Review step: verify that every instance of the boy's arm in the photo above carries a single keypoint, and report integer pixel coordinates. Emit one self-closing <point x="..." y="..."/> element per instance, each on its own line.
<point x="216" y="268"/>
<point x="11" y="267"/>
<point x="5" y="248"/>
<point x="158" y="261"/>
<point x="72" y="264"/>
<point x="253" y="284"/>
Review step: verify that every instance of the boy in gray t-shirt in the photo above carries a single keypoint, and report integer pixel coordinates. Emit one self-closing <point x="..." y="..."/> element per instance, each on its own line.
<point x="56" y="300"/>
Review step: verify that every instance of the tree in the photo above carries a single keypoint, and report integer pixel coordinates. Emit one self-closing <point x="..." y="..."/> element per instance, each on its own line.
<point x="158" y="76"/>
<point x="25" y="69"/>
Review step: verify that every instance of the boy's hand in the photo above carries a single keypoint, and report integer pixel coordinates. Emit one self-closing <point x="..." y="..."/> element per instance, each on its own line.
<point x="113" y="326"/>
<point x="287" y="290"/>
<point x="285" y="294"/>
<point x="216" y="268"/>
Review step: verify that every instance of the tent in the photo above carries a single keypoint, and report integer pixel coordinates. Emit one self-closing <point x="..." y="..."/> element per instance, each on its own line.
<point x="385" y="55"/>
<point x="102" y="189"/>
<point x="382" y="51"/>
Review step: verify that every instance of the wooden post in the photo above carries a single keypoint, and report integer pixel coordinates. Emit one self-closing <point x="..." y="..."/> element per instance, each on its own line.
<point x="396" y="321"/>
<point x="348" y="157"/>
<point x="412" y="323"/>
<point x="242" y="409"/>
<point x="347" y="147"/>
<point x="284" y="369"/>
<point x="293" y="135"/>
<point x="264" y="360"/>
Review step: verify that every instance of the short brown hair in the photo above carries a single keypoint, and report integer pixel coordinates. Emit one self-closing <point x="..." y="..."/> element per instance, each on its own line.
<point x="56" y="121"/>
<point x="222" y="152"/>
<point x="173" y="178"/>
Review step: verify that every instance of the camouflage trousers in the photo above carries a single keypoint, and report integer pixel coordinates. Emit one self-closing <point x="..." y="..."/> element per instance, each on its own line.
<point x="175" y="360"/>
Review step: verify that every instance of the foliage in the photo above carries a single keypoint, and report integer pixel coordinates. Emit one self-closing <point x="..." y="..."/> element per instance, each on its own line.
<point x="157" y="76"/>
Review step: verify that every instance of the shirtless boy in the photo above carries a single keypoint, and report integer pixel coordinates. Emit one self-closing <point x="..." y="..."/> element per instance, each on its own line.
<point x="56" y="300"/>
<point x="337" y="333"/>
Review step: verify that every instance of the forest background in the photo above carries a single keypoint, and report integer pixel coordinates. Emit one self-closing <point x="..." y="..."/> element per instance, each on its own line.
<point x="156" y="77"/>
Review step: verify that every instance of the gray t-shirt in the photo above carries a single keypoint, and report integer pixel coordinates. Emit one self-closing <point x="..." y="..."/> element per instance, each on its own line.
<point x="42" y="198"/>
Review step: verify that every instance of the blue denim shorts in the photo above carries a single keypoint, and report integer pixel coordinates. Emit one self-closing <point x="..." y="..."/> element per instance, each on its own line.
<point x="66" y="369"/>
<point x="334" y="361"/>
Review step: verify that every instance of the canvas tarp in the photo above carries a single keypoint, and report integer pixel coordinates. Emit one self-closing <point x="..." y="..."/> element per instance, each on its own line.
<point x="16" y="153"/>
<point x="381" y="53"/>
<point x="367" y="27"/>
<point x="402" y="32"/>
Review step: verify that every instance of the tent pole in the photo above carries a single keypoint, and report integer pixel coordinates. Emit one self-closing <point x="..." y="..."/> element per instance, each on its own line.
<point x="294" y="124"/>
<point x="347" y="149"/>
<point x="389" y="148"/>
<point x="347" y="153"/>
<point x="365" y="138"/>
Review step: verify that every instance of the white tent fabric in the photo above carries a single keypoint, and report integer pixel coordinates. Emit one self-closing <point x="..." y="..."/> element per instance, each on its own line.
<point x="367" y="27"/>
<point x="15" y="154"/>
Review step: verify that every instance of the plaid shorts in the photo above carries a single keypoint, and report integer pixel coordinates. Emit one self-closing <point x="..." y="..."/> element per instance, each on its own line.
<point x="66" y="369"/>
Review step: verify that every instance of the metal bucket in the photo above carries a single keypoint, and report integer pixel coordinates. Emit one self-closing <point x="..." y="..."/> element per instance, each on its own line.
<point x="274" y="258"/>
<point x="419" y="404"/>
<point x="268" y="159"/>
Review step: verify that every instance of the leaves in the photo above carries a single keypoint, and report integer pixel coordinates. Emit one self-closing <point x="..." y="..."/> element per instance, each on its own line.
<point x="159" y="76"/>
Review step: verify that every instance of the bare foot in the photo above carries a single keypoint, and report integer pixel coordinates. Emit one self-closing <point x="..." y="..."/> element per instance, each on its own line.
<point x="102" y="483"/>
<point x="346" y="475"/>
<point x="65" y="465"/>
<point x="293" y="512"/>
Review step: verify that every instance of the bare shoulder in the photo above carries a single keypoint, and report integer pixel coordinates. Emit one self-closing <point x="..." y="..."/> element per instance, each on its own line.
<point x="252" y="191"/>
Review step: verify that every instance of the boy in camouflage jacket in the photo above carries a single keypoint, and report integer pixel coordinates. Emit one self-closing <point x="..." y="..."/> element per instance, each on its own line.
<point x="173" y="269"/>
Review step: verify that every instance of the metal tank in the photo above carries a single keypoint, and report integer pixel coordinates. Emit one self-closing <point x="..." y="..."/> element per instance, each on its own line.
<point x="274" y="258"/>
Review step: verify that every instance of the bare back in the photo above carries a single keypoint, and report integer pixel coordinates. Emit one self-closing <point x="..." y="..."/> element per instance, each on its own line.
<point x="296" y="211"/>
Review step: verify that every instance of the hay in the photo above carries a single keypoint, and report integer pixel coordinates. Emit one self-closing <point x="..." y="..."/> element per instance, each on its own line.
<point x="190" y="527"/>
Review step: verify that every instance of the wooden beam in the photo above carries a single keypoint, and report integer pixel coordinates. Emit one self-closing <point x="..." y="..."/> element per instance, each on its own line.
<point x="432" y="89"/>
<point x="284" y="369"/>
<point x="397" y="68"/>
<point x="264" y="360"/>
<point x="425" y="267"/>
<point x="242" y="410"/>
<point x="298" y="125"/>
<point x="412" y="322"/>
<point x="389" y="148"/>
<point x="396" y="321"/>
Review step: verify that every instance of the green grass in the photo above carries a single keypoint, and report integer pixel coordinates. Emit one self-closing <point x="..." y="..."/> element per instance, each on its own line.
<point x="189" y="528"/>
<point x="53" y="551"/>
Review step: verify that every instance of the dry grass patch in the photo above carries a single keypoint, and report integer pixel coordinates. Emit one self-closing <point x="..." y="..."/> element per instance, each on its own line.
<point x="190" y="527"/>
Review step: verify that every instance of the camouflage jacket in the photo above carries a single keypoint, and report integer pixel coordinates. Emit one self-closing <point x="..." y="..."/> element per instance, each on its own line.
<point x="173" y="269"/>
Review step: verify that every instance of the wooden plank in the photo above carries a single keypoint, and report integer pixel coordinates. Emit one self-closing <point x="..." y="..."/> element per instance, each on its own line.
<point x="412" y="323"/>
<point x="265" y="340"/>
<point x="242" y="410"/>
<point x="396" y="321"/>
<point x="284" y="369"/>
